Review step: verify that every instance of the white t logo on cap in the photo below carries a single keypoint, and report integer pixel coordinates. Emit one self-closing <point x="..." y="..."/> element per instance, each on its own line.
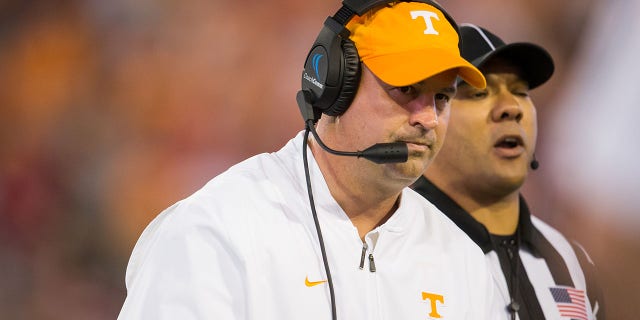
<point x="426" y="15"/>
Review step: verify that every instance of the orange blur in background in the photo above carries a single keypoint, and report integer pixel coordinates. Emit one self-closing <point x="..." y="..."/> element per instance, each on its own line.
<point x="111" y="111"/>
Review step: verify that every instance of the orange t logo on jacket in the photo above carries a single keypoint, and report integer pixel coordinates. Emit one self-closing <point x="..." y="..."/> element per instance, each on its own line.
<point x="433" y="298"/>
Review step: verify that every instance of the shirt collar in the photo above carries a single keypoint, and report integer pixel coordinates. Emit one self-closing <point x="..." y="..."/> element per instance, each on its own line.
<point x="529" y="235"/>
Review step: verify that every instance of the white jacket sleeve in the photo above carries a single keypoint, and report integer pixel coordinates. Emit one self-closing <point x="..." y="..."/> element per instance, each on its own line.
<point x="184" y="266"/>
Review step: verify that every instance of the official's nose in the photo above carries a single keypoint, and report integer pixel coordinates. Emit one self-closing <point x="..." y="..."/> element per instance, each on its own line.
<point x="507" y="108"/>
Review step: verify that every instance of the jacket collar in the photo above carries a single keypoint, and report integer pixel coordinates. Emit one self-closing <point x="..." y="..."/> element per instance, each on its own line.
<point x="529" y="235"/>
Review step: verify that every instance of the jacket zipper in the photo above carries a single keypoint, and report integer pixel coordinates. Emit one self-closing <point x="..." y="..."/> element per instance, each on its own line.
<point x="364" y="253"/>
<point x="372" y="264"/>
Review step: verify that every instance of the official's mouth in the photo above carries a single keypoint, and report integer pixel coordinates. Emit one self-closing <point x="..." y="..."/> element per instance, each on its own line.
<point x="509" y="142"/>
<point x="509" y="146"/>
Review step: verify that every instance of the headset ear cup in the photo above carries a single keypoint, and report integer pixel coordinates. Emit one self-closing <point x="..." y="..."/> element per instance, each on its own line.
<point x="350" y="79"/>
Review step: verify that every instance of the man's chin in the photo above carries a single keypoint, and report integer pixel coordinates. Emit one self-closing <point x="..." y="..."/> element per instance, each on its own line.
<point x="410" y="170"/>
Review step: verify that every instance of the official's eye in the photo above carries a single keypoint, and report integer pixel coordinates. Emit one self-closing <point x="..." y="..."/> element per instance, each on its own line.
<point x="479" y="94"/>
<point x="466" y="91"/>
<point x="521" y="92"/>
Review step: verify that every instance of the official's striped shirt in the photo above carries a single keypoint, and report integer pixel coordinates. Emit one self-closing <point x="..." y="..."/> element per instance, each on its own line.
<point x="550" y="278"/>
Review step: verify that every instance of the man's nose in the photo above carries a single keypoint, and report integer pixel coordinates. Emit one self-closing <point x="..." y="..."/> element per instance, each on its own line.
<point x="507" y="108"/>
<point x="425" y="112"/>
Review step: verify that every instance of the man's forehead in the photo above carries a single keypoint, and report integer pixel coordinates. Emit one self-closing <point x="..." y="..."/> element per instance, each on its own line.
<point x="496" y="76"/>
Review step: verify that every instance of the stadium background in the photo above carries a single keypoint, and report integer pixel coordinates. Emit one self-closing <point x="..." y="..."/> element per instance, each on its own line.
<point x="111" y="111"/>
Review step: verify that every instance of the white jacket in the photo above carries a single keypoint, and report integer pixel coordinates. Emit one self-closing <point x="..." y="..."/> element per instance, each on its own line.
<point x="245" y="247"/>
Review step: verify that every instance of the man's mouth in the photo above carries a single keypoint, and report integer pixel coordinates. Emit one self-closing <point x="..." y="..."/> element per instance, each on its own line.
<point x="418" y="144"/>
<point x="509" y="142"/>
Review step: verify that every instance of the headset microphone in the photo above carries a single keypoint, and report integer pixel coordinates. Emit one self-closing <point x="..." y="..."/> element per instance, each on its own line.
<point x="534" y="163"/>
<point x="392" y="152"/>
<point x="378" y="153"/>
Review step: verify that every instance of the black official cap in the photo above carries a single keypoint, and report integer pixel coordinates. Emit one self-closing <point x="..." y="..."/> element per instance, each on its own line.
<point x="479" y="46"/>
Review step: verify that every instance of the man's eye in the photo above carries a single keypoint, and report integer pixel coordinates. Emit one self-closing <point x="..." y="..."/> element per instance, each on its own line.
<point x="479" y="94"/>
<point x="443" y="97"/>
<point x="442" y="101"/>
<point x="408" y="90"/>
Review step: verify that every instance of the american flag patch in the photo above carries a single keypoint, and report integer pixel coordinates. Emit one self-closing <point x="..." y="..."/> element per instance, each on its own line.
<point x="570" y="302"/>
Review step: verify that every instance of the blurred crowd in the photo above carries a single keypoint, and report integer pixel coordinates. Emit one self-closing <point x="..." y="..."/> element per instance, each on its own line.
<point x="111" y="111"/>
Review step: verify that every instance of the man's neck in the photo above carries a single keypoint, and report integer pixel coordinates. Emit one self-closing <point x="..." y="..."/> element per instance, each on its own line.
<point x="500" y="218"/>
<point x="366" y="204"/>
<point x="498" y="213"/>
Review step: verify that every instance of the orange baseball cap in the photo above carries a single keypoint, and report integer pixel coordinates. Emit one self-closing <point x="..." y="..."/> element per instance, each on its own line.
<point x="406" y="42"/>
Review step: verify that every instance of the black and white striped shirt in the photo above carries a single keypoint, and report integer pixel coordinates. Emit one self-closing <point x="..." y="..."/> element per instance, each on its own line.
<point x="549" y="277"/>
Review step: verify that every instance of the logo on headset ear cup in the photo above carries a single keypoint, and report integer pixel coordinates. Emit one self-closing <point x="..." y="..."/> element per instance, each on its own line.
<point x="315" y="76"/>
<point x="350" y="79"/>
<point x="332" y="73"/>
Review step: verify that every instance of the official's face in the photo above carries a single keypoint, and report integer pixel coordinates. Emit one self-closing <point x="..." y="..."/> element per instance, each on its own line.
<point x="492" y="133"/>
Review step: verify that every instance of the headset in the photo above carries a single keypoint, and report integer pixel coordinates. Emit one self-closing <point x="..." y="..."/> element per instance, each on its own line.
<point x="331" y="72"/>
<point x="330" y="80"/>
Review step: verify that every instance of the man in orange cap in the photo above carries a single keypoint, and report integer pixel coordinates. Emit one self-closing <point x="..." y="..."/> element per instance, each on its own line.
<point x="315" y="231"/>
